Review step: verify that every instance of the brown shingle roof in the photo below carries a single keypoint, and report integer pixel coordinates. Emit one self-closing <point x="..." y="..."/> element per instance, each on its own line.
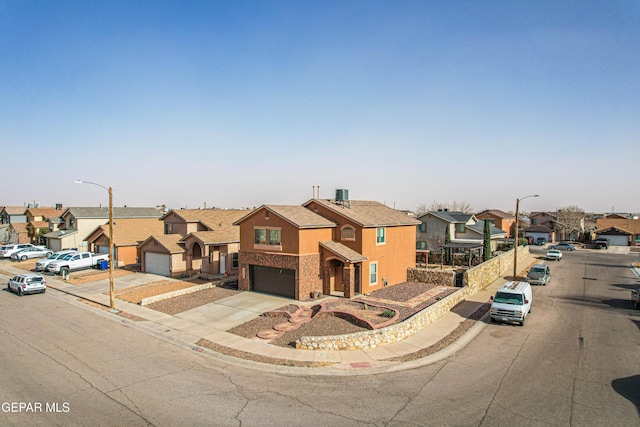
<point x="221" y="235"/>
<point x="496" y="212"/>
<point x="343" y="251"/>
<point x="168" y="241"/>
<point x="631" y="225"/>
<point x="297" y="215"/>
<point x="212" y="218"/>
<point x="368" y="213"/>
<point x="45" y="212"/>
<point x="14" y="210"/>
<point x="131" y="231"/>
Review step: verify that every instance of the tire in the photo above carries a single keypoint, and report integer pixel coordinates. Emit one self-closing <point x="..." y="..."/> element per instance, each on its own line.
<point x="20" y="292"/>
<point x="49" y="254"/>
<point x="493" y="320"/>
<point x="522" y="322"/>
<point x="23" y="258"/>
<point x="43" y="291"/>
<point x="9" y="288"/>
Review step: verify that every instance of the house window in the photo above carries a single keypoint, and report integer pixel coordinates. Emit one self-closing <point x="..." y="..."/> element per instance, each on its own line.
<point x="421" y="246"/>
<point x="274" y="237"/>
<point x="267" y="237"/>
<point x="460" y="227"/>
<point x="492" y="221"/>
<point x="348" y="233"/>
<point x="373" y="273"/>
<point x="380" y="236"/>
<point x="260" y="236"/>
<point x="534" y="221"/>
<point x="422" y="227"/>
<point x="72" y="222"/>
<point x="168" y="228"/>
<point x="234" y="260"/>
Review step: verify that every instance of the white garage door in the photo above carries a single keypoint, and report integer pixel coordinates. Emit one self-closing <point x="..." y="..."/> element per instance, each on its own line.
<point x="157" y="264"/>
<point x="618" y="240"/>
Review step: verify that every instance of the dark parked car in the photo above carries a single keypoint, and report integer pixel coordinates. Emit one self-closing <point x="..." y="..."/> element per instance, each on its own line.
<point x="563" y="247"/>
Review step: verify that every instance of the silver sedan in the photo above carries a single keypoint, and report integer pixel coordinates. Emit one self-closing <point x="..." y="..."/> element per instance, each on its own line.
<point x="28" y="253"/>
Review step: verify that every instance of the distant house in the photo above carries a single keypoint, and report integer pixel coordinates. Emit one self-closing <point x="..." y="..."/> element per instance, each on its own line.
<point x="78" y="222"/>
<point x="38" y="224"/>
<point x="463" y="228"/>
<point x="536" y="232"/>
<point x="620" y="230"/>
<point x="128" y="233"/>
<point x="499" y="219"/>
<point x="337" y="247"/>
<point x="204" y="241"/>
<point x="12" y="214"/>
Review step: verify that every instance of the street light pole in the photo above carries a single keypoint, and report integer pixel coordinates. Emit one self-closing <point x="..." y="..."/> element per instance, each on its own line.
<point x="515" y="246"/>
<point x="112" y="305"/>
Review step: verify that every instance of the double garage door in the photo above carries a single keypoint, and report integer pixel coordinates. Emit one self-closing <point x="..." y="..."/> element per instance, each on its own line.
<point x="276" y="281"/>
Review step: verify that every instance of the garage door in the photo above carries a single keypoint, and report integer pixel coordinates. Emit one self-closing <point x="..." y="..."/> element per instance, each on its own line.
<point x="157" y="264"/>
<point x="277" y="281"/>
<point x="617" y="240"/>
<point x="103" y="249"/>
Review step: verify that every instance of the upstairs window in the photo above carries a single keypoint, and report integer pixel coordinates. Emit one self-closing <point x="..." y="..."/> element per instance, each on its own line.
<point x="460" y="228"/>
<point x="267" y="237"/>
<point x="422" y="227"/>
<point x="260" y="236"/>
<point x="348" y="233"/>
<point x="380" y="236"/>
<point x="274" y="237"/>
<point x="421" y="246"/>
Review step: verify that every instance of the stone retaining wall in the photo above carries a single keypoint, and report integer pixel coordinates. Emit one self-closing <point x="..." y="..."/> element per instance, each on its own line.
<point x="475" y="279"/>
<point x="196" y="288"/>
<point x="480" y="276"/>
<point x="387" y="335"/>
<point x="430" y="275"/>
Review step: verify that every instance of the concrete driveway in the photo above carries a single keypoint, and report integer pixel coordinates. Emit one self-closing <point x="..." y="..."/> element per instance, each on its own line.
<point x="235" y="310"/>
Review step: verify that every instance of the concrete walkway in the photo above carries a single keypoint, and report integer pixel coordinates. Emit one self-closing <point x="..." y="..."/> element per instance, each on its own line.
<point x="212" y="320"/>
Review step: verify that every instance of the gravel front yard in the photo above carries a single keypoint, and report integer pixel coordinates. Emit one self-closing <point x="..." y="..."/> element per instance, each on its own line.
<point x="186" y="302"/>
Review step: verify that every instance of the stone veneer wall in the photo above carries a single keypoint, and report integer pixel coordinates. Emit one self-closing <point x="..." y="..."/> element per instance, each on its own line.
<point x="307" y="268"/>
<point x="387" y="335"/>
<point x="430" y="275"/>
<point x="480" y="276"/>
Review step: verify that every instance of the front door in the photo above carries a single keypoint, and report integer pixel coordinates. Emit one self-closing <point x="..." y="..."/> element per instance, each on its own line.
<point x="223" y="263"/>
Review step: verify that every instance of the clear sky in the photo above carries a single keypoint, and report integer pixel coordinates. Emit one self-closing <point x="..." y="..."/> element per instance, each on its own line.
<point x="243" y="103"/>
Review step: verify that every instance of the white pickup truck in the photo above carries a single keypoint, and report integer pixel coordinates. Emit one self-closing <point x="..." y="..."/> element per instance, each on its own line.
<point x="76" y="261"/>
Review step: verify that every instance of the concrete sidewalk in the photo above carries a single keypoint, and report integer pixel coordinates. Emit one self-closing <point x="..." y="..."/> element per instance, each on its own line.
<point x="212" y="320"/>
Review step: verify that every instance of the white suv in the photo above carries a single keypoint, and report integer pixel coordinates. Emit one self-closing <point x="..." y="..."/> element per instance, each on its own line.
<point x="27" y="284"/>
<point x="7" y="250"/>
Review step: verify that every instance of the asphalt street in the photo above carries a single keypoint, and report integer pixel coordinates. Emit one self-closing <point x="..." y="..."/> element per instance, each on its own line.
<point x="575" y="362"/>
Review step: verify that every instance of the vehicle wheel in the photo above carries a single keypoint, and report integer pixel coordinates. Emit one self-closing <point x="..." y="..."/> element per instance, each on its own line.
<point x="20" y="291"/>
<point x="49" y="254"/>
<point x="9" y="288"/>
<point x="43" y="291"/>
<point x="493" y="320"/>
<point x="522" y="323"/>
<point x="23" y="258"/>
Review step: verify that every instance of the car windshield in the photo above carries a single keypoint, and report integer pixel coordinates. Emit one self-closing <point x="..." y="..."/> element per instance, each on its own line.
<point x="53" y="256"/>
<point x="67" y="256"/>
<point x="505" y="298"/>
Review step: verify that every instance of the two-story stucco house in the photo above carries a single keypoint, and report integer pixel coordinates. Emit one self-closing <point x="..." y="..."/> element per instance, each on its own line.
<point x="337" y="247"/>
<point x="499" y="219"/>
<point x="38" y="222"/>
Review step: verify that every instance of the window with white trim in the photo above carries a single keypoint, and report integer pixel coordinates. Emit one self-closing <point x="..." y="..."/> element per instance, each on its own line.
<point x="267" y="237"/>
<point x="460" y="227"/>
<point x="260" y="236"/>
<point x="381" y="236"/>
<point x="373" y="273"/>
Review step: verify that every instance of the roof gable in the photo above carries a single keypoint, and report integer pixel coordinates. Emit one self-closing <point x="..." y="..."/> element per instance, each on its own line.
<point x="366" y="213"/>
<point x="298" y="216"/>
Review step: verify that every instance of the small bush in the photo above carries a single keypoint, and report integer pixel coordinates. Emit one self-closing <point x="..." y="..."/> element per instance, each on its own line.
<point x="388" y="313"/>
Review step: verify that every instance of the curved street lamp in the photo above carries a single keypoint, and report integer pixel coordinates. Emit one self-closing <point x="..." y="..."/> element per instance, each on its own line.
<point x="515" y="247"/>
<point x="110" y="191"/>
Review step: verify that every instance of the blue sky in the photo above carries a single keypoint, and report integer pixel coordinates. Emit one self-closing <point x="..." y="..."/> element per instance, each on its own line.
<point x="243" y="103"/>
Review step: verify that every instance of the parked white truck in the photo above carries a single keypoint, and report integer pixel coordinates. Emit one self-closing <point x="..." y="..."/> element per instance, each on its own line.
<point x="76" y="261"/>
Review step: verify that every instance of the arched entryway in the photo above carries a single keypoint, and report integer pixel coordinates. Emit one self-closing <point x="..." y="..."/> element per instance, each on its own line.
<point x="196" y="257"/>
